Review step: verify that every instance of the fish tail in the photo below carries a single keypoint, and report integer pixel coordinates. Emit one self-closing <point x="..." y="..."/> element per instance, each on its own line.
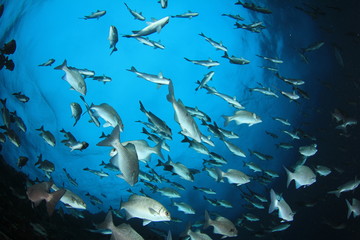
<point x="113" y="50"/>
<point x="350" y="209"/>
<point x="53" y="199"/>
<point x="207" y="220"/>
<point x="132" y="69"/>
<point x="110" y="140"/>
<point x="227" y="120"/>
<point x="39" y="160"/>
<point x="102" y="163"/>
<point x="62" y="66"/>
<point x="107" y="223"/>
<point x="171" y="96"/>
<point x="40" y="129"/>
<point x="225" y="55"/>
<point x="142" y="108"/>
<point x="336" y="192"/>
<point x="289" y="177"/>
<point x="220" y="174"/>
<point x="273" y="203"/>
<point x="157" y="149"/>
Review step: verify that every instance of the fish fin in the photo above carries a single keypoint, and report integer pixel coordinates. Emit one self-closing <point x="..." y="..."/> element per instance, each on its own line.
<point x="107" y="223"/>
<point x="62" y="66"/>
<point x="107" y="124"/>
<point x="157" y="149"/>
<point x="289" y="177"/>
<point x="171" y="97"/>
<point x="160" y="75"/>
<point x="207" y="220"/>
<point x="274" y="201"/>
<point x="350" y="209"/>
<point x="146" y="222"/>
<point x="110" y="140"/>
<point x="53" y="199"/>
<point x="227" y="120"/>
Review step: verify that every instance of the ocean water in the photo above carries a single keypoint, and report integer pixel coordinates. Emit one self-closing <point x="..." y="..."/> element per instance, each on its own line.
<point x="56" y="30"/>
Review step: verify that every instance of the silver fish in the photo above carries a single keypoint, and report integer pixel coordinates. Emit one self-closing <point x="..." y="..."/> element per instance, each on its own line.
<point x="206" y="63"/>
<point x="94" y="15"/>
<point x="154" y="26"/>
<point x="136" y="15"/>
<point x="113" y="38"/>
<point x="73" y="77"/>
<point x="76" y="111"/>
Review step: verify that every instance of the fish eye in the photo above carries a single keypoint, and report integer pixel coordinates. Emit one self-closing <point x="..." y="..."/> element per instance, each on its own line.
<point x="167" y="213"/>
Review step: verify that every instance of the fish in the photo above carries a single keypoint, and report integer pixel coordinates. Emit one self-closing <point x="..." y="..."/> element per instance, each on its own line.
<point x="197" y="235"/>
<point x="282" y="120"/>
<point x="45" y="165"/>
<point x="260" y="155"/>
<point x="253" y="166"/>
<point x="206" y="63"/>
<point x="22" y="160"/>
<point x="265" y="91"/>
<point x="93" y="118"/>
<point x="83" y="71"/>
<point x="195" y="112"/>
<point x="303" y="176"/>
<point x="154" y="26"/>
<point x="121" y="232"/>
<point x="168" y="192"/>
<point x="208" y="77"/>
<point x="177" y="168"/>
<point x="143" y="150"/>
<point x="236" y="17"/>
<point x="354" y="208"/>
<point x="158" y="45"/>
<point x="291" y="134"/>
<point x="126" y="158"/>
<point x="251" y="217"/>
<point x="156" y="140"/>
<point x="70" y="199"/>
<point x="231" y="100"/>
<point x="242" y="117"/>
<point x="47" y="136"/>
<point x="322" y="170"/>
<point x="274" y="60"/>
<point x="40" y="191"/>
<point x="73" y="77"/>
<point x="145" y="208"/>
<point x="93" y="15"/>
<point x="13" y="137"/>
<point x="234" y="176"/>
<point x="18" y="121"/>
<point x="234" y="149"/>
<point x="312" y="47"/>
<point x="279" y="228"/>
<point x="189" y="128"/>
<point x="254" y="7"/>
<point x="236" y="60"/>
<point x="71" y="179"/>
<point x="102" y="78"/>
<point x="76" y="111"/>
<point x="93" y="199"/>
<point x="198" y="147"/>
<point x="21" y="97"/>
<point x="5" y="113"/>
<point x="205" y="190"/>
<point x="216" y="45"/>
<point x="292" y="81"/>
<point x="137" y="15"/>
<point x="159" y="124"/>
<point x="308" y="151"/>
<point x="291" y="95"/>
<point x="348" y="186"/>
<point x="221" y="226"/>
<point x="158" y="79"/>
<point x="101" y="173"/>
<point x="278" y="202"/>
<point x="113" y="38"/>
<point x="188" y="15"/>
<point x="164" y="3"/>
<point x="109" y="114"/>
<point x="47" y="63"/>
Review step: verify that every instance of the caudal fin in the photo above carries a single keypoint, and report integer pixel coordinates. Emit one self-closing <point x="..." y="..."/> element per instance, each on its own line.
<point x="350" y="209"/>
<point x="171" y="96"/>
<point x="111" y="140"/>
<point x="274" y="201"/>
<point x="52" y="201"/>
<point x="207" y="220"/>
<point x="107" y="223"/>
<point x="62" y="66"/>
<point x="289" y="176"/>
<point x="157" y="150"/>
<point x="227" y="120"/>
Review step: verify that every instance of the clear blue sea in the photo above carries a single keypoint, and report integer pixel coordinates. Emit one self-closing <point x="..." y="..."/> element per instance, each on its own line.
<point x="56" y="30"/>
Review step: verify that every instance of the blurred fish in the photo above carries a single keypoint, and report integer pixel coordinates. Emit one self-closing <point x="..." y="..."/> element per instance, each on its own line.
<point x="282" y="120"/>
<point x="156" y="140"/>
<point x="291" y="134"/>
<point x="47" y="136"/>
<point x="102" y="78"/>
<point x="40" y="191"/>
<point x="354" y="208"/>
<point x="278" y="202"/>
<point x="163" y="3"/>
<point x="260" y="155"/>
<point x="21" y="97"/>
<point x="143" y="150"/>
<point x="93" y="118"/>
<point x="205" y="190"/>
<point x="182" y="117"/>
<point x="234" y="149"/>
<point x="254" y="7"/>
<point x="93" y="199"/>
<point x="76" y="111"/>
<point x="279" y="228"/>
<point x="195" y="112"/>
<point x="73" y="77"/>
<point x="197" y="235"/>
<point x="221" y="226"/>
<point x="158" y="79"/>
<point x="236" y="17"/>
<point x="154" y="26"/>
<point x="302" y="175"/>
<point x="101" y="173"/>
<point x="71" y="179"/>
<point x="145" y="208"/>
<point x="13" y="137"/>
<point x="9" y="47"/>
<point x="113" y="38"/>
<point x="22" y="161"/>
<point x="126" y="158"/>
<point x="121" y="232"/>
<point x="216" y="45"/>
<point x="188" y="15"/>
<point x="177" y="168"/>
<point x="18" y="121"/>
<point x="83" y="71"/>
<point x="205" y="80"/>
<point x="251" y="217"/>
<point x="312" y="47"/>
<point x="70" y="199"/>
<point x="322" y="170"/>
<point x="291" y="95"/>
<point x="265" y="91"/>
<point x="109" y="166"/>
<point x="291" y="81"/>
<point x="242" y="117"/>
<point x="47" y="63"/>
<point x="206" y="63"/>
<point x="234" y="176"/>
<point x="136" y="15"/>
<point x="5" y="113"/>
<point x="348" y="186"/>
<point x="109" y="114"/>
<point x="236" y="60"/>
<point x="168" y="192"/>
<point x="94" y="15"/>
<point x="45" y="165"/>
<point x="274" y="60"/>
<point x="308" y="151"/>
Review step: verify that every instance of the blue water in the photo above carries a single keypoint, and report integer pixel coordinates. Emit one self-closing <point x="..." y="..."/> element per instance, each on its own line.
<point x="53" y="29"/>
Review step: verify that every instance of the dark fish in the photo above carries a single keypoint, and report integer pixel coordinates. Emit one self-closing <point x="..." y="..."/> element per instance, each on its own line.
<point x="9" y="47"/>
<point x="22" y="161"/>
